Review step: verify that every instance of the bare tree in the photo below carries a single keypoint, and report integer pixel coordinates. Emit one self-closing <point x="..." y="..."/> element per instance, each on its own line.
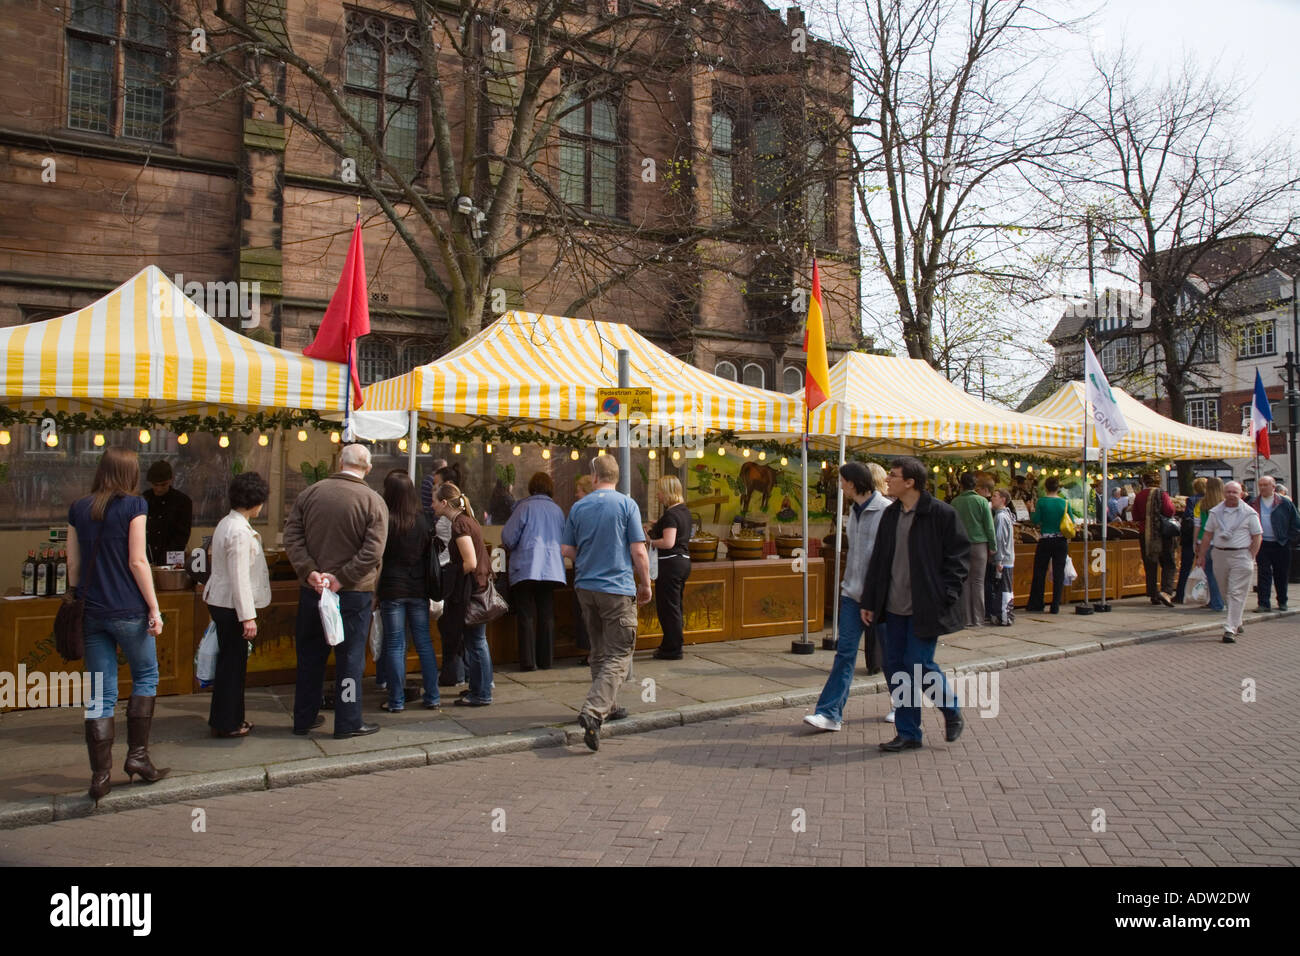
<point x="1197" y="210"/>
<point x="952" y="127"/>
<point x="503" y="80"/>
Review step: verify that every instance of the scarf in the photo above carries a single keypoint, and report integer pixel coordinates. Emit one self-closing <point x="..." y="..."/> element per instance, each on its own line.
<point x="1152" y="542"/>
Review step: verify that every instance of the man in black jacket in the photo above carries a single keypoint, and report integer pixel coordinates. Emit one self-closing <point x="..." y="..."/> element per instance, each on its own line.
<point x="914" y="583"/>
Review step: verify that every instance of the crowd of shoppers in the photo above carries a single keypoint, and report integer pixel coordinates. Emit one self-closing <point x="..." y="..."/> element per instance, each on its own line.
<point x="913" y="571"/>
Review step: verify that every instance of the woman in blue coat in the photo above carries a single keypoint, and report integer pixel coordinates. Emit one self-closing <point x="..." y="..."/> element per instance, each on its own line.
<point x="532" y="536"/>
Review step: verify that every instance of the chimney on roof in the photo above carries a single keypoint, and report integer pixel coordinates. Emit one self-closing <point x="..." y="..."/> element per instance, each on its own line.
<point x="794" y="17"/>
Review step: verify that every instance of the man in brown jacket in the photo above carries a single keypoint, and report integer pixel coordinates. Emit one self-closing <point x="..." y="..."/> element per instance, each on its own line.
<point x="335" y="538"/>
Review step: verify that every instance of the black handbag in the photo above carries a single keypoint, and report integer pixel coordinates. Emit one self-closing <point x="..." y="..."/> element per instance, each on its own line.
<point x="440" y="578"/>
<point x="69" y="621"/>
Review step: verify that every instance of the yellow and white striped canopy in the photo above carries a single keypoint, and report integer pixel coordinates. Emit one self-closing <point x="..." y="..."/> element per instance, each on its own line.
<point x="890" y="405"/>
<point x="544" y="370"/>
<point x="1151" y="435"/>
<point x="145" y="345"/>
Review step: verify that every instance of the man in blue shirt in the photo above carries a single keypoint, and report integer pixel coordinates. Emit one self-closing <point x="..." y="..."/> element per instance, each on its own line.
<point x="1281" y="525"/>
<point x="611" y="576"/>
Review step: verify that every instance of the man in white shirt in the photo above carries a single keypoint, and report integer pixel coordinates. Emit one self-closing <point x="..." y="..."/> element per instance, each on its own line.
<point x="1234" y="531"/>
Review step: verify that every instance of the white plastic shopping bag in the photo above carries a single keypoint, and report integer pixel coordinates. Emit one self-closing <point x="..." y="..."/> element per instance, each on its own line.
<point x="654" y="564"/>
<point x="435" y="610"/>
<point x="205" y="661"/>
<point x="1071" y="575"/>
<point x="331" y="618"/>
<point x="376" y="636"/>
<point x="1198" y="587"/>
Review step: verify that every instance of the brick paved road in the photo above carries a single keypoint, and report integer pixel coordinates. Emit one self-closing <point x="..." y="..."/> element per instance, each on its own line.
<point x="1155" y="735"/>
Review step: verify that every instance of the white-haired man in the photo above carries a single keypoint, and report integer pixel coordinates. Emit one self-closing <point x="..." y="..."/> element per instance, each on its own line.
<point x="335" y="538"/>
<point x="1233" y="531"/>
<point x="1281" y="524"/>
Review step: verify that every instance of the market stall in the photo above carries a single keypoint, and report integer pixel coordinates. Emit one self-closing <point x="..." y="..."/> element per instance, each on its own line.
<point x="145" y="356"/>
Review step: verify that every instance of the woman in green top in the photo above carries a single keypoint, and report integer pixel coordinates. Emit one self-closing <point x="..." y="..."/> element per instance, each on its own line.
<point x="1053" y="548"/>
<point x="1200" y="515"/>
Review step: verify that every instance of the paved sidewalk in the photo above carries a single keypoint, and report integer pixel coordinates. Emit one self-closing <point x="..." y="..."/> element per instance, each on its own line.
<point x="1160" y="742"/>
<point x="44" y="771"/>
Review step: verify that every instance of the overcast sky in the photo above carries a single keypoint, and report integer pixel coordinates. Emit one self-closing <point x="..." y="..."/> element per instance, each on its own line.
<point x="1252" y="40"/>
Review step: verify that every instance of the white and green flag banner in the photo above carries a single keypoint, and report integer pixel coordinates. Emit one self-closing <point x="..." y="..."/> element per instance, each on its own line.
<point x="1107" y="419"/>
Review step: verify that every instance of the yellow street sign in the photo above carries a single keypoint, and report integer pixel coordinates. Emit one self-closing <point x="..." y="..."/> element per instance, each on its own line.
<point x="624" y="402"/>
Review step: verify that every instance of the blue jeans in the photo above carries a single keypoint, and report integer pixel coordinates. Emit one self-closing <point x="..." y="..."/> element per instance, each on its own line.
<point x="1216" y="599"/>
<point x="478" y="661"/>
<point x="908" y="660"/>
<point x="397" y="615"/>
<point x="836" y="692"/>
<point x="104" y="636"/>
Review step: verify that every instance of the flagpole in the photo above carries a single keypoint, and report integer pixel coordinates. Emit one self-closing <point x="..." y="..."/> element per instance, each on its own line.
<point x="832" y="642"/>
<point x="1085" y="607"/>
<point x="1105" y="500"/>
<point x="803" y="645"/>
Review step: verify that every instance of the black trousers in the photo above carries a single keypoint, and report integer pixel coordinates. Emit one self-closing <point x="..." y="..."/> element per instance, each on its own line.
<point x="1161" y="568"/>
<point x="1051" y="551"/>
<point x="1274" y="567"/>
<point x="451" y="628"/>
<point x="314" y="652"/>
<point x="1186" y="561"/>
<point x="669" y="588"/>
<point x="992" y="588"/>
<point x="227" y="711"/>
<point x="534" y="605"/>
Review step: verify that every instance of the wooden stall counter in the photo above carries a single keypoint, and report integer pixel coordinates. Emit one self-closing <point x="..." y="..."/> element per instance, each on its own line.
<point x="27" y="638"/>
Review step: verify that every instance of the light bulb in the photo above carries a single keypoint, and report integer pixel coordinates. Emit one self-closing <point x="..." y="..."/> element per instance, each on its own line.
<point x="745" y="453"/>
<point x="334" y="437"/>
<point x="488" y="448"/>
<point x="456" y="449"/>
<point x="424" y="448"/>
<point x="515" y="451"/>
<point x="401" y="444"/>
<point x="653" y="454"/>
<point x="677" y="455"/>
<point x="183" y="438"/>
<point x="224" y="440"/>
<point x="99" y="440"/>
<point x="601" y="453"/>
<point x="302" y="434"/>
<point x="762" y="456"/>
<point x="4" y="437"/>
<point x="700" y="453"/>
<point x="1004" y="463"/>
<point x="263" y="440"/>
<point x="936" y="469"/>
<point x="1056" y="471"/>
<point x="53" y="440"/>
<point x="785" y="461"/>
<point x="1017" y="464"/>
<point x="546" y="454"/>
<point x="573" y="455"/>
<point x="722" y="452"/>
<point x="145" y="437"/>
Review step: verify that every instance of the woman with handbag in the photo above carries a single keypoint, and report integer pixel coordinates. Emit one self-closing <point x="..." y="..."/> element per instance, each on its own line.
<point x="239" y="585"/>
<point x="106" y="541"/>
<point x="1151" y="507"/>
<point x="403" y="593"/>
<point x="1053" y="548"/>
<point x="532" y="536"/>
<point x="471" y="577"/>
<point x="1200" y="515"/>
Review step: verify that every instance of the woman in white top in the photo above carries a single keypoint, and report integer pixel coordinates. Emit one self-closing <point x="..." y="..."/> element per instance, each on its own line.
<point x="239" y="585"/>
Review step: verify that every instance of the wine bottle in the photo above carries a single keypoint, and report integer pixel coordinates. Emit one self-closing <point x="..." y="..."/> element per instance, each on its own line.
<point x="42" y="570"/>
<point x="29" y="573"/>
<point x="61" y="573"/>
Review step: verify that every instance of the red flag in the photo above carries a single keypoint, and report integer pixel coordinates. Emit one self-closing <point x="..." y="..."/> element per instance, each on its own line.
<point x="348" y="315"/>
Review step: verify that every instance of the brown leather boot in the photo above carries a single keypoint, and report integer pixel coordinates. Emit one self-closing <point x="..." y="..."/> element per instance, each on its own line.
<point x="139" y="718"/>
<point x="99" y="744"/>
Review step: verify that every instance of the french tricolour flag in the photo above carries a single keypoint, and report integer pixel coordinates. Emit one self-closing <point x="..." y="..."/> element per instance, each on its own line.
<point x="1260" y="417"/>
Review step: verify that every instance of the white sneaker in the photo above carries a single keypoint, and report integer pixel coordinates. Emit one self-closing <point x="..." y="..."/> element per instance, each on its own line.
<point x="821" y="723"/>
<point x="889" y="717"/>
